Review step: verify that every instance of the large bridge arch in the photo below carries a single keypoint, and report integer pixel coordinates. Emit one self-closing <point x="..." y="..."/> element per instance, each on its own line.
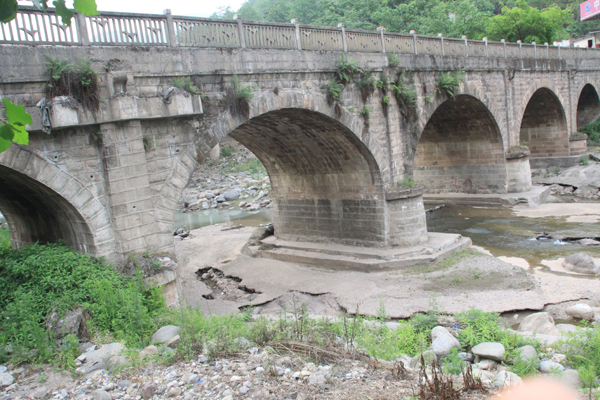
<point x="326" y="176"/>
<point x="588" y="105"/>
<point x="544" y="124"/>
<point x="43" y="203"/>
<point x="461" y="149"/>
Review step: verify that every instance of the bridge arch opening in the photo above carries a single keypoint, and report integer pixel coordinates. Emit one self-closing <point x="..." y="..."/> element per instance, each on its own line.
<point x="544" y="126"/>
<point x="461" y="150"/>
<point x="588" y="106"/>
<point x="36" y="213"/>
<point x="326" y="184"/>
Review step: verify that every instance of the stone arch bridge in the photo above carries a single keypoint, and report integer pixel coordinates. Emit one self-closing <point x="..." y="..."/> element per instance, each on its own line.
<point x="108" y="182"/>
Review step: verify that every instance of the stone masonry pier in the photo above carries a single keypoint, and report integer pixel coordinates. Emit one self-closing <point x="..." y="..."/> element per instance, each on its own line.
<point x="108" y="182"/>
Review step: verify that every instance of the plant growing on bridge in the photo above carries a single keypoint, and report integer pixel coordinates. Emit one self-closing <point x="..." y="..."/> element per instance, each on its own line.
<point x="393" y="60"/>
<point x="239" y="97"/>
<point x="405" y="94"/>
<point x="346" y="70"/>
<point x="334" y="91"/>
<point x="366" y="85"/>
<point x="184" y="84"/>
<point x="449" y="82"/>
<point x="78" y="81"/>
<point x="365" y="114"/>
<point x="407" y="183"/>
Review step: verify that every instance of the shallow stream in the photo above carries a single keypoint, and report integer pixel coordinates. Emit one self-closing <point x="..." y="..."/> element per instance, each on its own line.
<point x="496" y="229"/>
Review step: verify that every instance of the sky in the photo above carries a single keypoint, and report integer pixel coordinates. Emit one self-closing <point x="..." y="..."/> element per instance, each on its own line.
<point x="195" y="8"/>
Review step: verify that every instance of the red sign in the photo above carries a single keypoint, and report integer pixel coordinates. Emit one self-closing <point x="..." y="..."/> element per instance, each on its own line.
<point x="589" y="9"/>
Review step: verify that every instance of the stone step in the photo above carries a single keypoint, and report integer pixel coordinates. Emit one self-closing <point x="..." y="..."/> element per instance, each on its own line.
<point x="356" y="259"/>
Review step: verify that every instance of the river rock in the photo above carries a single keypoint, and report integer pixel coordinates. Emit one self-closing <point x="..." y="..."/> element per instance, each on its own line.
<point x="571" y="378"/>
<point x="428" y="356"/>
<point x="581" y="263"/>
<point x="40" y="393"/>
<point x="231" y="195"/>
<point x="527" y="353"/>
<point x="485" y="376"/>
<point x="173" y="342"/>
<point x="551" y="366"/>
<point x="148" y="351"/>
<point x="442" y="342"/>
<point x="70" y="323"/>
<point x="165" y="333"/>
<point x="6" y="379"/>
<point x="586" y="192"/>
<point x="589" y="242"/>
<point x="580" y="311"/>
<point x="209" y="196"/>
<point x="541" y="322"/>
<point x="124" y="384"/>
<point x="220" y="198"/>
<point x="147" y="391"/>
<point x="506" y="379"/>
<point x="101" y="395"/>
<point x="493" y="351"/>
<point x="566" y="327"/>
<point x="205" y="205"/>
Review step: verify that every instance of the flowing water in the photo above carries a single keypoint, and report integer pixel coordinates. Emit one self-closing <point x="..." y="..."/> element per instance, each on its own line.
<point x="495" y="229"/>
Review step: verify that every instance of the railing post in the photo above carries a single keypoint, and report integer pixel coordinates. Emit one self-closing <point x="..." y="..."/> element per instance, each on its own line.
<point x="559" y="55"/>
<point x="547" y="50"/>
<point x="297" y="29"/>
<point x="520" y="52"/>
<point x="381" y="29"/>
<point x="82" y="29"/>
<point x="414" y="35"/>
<point x="238" y="18"/>
<point x="441" y="36"/>
<point x="504" y="46"/>
<point x="487" y="53"/>
<point x="534" y="49"/>
<point x="466" y="45"/>
<point x="171" y="39"/>
<point x="344" y="44"/>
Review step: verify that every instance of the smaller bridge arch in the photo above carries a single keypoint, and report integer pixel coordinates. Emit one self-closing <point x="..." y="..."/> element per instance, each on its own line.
<point x="588" y="105"/>
<point x="45" y="204"/>
<point x="544" y="127"/>
<point x="461" y="149"/>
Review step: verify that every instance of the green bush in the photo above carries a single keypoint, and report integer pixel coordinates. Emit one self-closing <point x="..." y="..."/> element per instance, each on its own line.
<point x="334" y="91"/>
<point x="38" y="279"/>
<point x="582" y="348"/>
<point x="593" y="132"/>
<point x="408" y="182"/>
<point x="449" y="82"/>
<point x="226" y="151"/>
<point x="5" y="243"/>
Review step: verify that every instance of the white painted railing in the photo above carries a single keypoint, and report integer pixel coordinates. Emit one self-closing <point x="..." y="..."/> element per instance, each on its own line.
<point x="34" y="27"/>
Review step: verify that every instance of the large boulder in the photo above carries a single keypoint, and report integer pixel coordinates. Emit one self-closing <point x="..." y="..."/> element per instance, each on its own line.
<point x="165" y="333"/>
<point x="99" y="359"/>
<point x="493" y="351"/>
<point x="70" y="323"/>
<point x="580" y="311"/>
<point x="581" y="263"/>
<point x="506" y="379"/>
<point x="231" y="195"/>
<point x="551" y="366"/>
<point x="442" y="342"/>
<point x="527" y="353"/>
<point x="6" y="379"/>
<point x="541" y="322"/>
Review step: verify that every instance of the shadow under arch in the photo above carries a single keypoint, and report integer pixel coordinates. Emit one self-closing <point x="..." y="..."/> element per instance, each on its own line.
<point x="326" y="184"/>
<point x="461" y="150"/>
<point x="544" y="125"/>
<point x="588" y="106"/>
<point x="36" y="213"/>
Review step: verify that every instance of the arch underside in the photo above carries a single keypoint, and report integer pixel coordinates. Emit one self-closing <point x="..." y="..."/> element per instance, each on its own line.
<point x="326" y="185"/>
<point x="36" y="213"/>
<point x="544" y="126"/>
<point x="461" y="150"/>
<point x="588" y="106"/>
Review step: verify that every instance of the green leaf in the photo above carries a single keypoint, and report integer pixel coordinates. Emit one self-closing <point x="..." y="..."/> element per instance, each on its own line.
<point x="8" y="10"/>
<point x="16" y="114"/>
<point x="86" y="7"/>
<point x="4" y="144"/>
<point x="63" y="11"/>
<point x="7" y="132"/>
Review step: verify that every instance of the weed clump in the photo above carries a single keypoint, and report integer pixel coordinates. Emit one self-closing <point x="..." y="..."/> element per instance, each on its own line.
<point x="239" y="98"/>
<point x="407" y="183"/>
<point x="77" y="81"/>
<point x="366" y="85"/>
<point x="184" y="84"/>
<point x="334" y="91"/>
<point x="449" y="82"/>
<point x="346" y="70"/>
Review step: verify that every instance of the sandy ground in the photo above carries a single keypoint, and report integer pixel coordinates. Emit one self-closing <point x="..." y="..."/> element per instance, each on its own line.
<point x="268" y="286"/>
<point x="578" y="212"/>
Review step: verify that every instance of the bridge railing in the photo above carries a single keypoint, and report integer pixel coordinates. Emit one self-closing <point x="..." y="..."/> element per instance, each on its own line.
<point x="34" y="27"/>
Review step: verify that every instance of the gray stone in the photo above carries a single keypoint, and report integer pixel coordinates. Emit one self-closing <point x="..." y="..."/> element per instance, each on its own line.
<point x="165" y="333"/>
<point x="541" y="322"/>
<point x="148" y="351"/>
<point x="506" y="378"/>
<point x="174" y="392"/>
<point x="581" y="263"/>
<point x="147" y="390"/>
<point x="589" y="242"/>
<point x="442" y="342"/>
<point x="551" y="366"/>
<point x="571" y="378"/>
<point x="209" y="196"/>
<point x="493" y="351"/>
<point x="205" y="205"/>
<point x="69" y="324"/>
<point x="527" y="353"/>
<point x="40" y="393"/>
<point x="466" y="356"/>
<point x="6" y="379"/>
<point x="486" y="364"/>
<point x="220" y="198"/>
<point x="108" y="350"/>
<point x="193" y="379"/>
<point x="580" y="311"/>
<point x="202" y="359"/>
<point x="3" y="369"/>
<point x="116" y="361"/>
<point x="566" y="327"/>
<point x="101" y="395"/>
<point x="429" y="358"/>
<point x="231" y="195"/>
<point x="124" y="384"/>
<point x="173" y="342"/>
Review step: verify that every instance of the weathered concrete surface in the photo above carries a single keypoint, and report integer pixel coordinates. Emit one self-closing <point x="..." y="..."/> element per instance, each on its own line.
<point x="532" y="198"/>
<point x="498" y="287"/>
<point x="114" y="179"/>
